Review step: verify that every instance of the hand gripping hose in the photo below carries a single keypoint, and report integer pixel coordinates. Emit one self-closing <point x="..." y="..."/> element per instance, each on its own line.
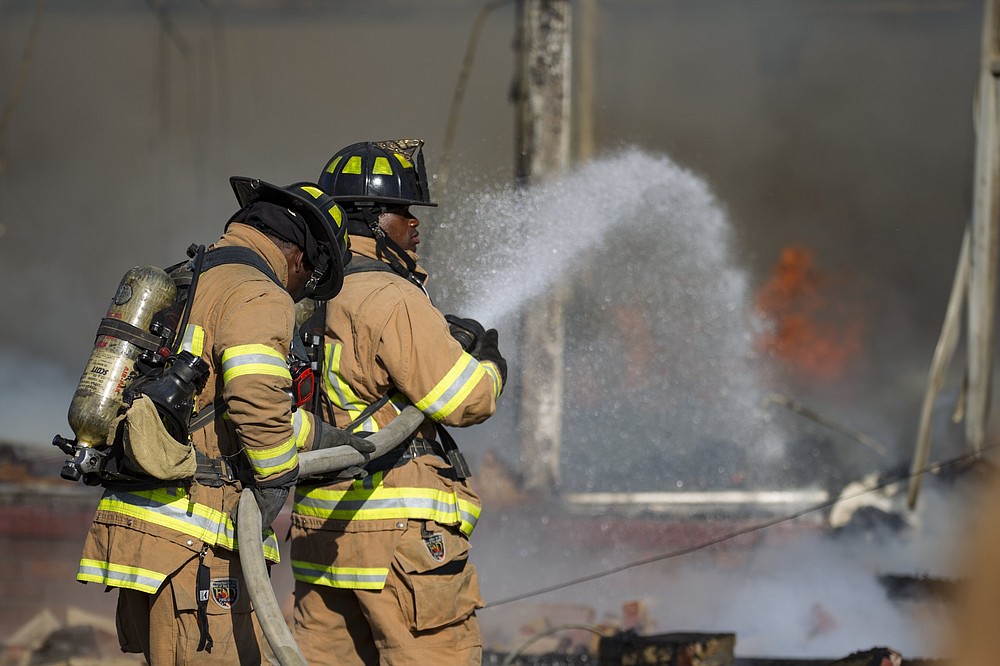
<point x="251" y="546"/>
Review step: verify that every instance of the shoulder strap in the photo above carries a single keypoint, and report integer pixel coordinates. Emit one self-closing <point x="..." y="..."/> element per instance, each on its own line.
<point x="238" y="255"/>
<point x="361" y="264"/>
<point x="218" y="257"/>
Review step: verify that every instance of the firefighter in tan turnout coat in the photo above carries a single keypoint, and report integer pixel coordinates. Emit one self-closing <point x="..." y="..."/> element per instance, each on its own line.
<point x="381" y="559"/>
<point x="168" y="546"/>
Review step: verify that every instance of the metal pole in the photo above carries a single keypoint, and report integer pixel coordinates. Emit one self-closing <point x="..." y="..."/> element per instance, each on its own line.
<point x="543" y="142"/>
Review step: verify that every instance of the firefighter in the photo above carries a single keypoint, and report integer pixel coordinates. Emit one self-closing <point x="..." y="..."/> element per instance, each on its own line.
<point x="381" y="559"/>
<point x="168" y="546"/>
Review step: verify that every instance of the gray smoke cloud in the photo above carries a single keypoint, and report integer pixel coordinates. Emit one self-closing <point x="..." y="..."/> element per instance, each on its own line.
<point x="844" y="126"/>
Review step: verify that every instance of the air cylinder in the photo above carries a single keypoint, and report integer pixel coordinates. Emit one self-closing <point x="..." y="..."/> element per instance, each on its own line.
<point x="142" y="292"/>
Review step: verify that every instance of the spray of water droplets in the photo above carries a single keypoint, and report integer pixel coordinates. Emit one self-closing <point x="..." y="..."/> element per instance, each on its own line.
<point x="662" y="387"/>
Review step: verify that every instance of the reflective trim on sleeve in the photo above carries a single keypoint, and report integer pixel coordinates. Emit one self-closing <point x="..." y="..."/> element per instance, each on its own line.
<point x="494" y="374"/>
<point x="254" y="359"/>
<point x="453" y="389"/>
<point x="354" y="578"/>
<point x="274" y="459"/>
<point x="193" y="340"/>
<point x="120" y="575"/>
<point x="302" y="426"/>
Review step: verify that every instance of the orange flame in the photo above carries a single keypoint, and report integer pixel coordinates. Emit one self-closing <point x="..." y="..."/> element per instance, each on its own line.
<point x="813" y="325"/>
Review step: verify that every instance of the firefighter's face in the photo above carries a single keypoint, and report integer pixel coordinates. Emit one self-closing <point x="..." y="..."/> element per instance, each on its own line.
<point x="400" y="225"/>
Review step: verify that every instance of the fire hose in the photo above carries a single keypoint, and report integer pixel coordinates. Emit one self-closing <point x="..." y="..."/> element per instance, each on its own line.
<point x="249" y="529"/>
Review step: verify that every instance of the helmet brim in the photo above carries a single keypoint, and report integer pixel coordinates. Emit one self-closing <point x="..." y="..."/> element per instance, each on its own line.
<point x="381" y="201"/>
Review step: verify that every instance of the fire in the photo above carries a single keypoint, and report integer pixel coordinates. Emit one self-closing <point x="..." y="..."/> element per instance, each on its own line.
<point x="814" y="326"/>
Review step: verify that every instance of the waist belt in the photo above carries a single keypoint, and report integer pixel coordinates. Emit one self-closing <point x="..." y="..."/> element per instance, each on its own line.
<point x="215" y="472"/>
<point x="419" y="446"/>
<point x="446" y="449"/>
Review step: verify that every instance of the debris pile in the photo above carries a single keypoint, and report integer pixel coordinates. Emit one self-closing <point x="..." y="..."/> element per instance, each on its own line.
<point x="83" y="639"/>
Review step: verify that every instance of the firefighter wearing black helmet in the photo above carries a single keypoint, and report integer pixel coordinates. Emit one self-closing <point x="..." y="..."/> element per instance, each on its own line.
<point x="381" y="559"/>
<point x="167" y="543"/>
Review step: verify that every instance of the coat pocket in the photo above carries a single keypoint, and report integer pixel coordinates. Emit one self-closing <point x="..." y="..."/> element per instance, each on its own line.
<point x="440" y="585"/>
<point x="227" y="591"/>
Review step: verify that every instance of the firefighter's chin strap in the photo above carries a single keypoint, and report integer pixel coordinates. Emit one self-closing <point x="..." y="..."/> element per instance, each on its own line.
<point x="401" y="263"/>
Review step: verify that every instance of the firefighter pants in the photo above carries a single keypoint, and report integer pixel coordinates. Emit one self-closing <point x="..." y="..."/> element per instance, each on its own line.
<point x="425" y="614"/>
<point x="165" y="626"/>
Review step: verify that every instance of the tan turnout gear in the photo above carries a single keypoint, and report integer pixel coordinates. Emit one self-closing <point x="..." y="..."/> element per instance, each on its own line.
<point x="241" y="325"/>
<point x="383" y="560"/>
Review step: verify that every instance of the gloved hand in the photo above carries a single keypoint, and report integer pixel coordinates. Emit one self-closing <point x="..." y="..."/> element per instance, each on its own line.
<point x="270" y="500"/>
<point x="270" y="496"/>
<point x="467" y="331"/>
<point x="328" y="436"/>
<point x="489" y="350"/>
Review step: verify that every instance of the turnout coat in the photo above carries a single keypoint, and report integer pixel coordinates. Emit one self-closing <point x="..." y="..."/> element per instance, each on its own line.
<point x="385" y="337"/>
<point x="241" y="324"/>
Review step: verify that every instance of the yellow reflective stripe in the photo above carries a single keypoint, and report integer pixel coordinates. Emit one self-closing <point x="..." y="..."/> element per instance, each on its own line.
<point x="494" y="374"/>
<point x="174" y="510"/>
<point x="302" y="425"/>
<point x="333" y="165"/>
<point x="382" y="167"/>
<point x="340" y="391"/>
<point x="193" y="340"/>
<point x="253" y="359"/>
<point x="382" y="503"/>
<point x="119" y="575"/>
<point x="337" y="215"/>
<point x="369" y="482"/>
<point x="353" y="165"/>
<point x="453" y="389"/>
<point x="274" y="459"/>
<point x="354" y="578"/>
<point x="407" y="164"/>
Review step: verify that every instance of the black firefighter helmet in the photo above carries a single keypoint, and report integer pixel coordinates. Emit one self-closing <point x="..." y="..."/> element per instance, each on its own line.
<point x="378" y="173"/>
<point x="326" y="244"/>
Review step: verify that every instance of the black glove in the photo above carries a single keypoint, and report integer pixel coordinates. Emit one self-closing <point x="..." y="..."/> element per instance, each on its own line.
<point x="270" y="500"/>
<point x="489" y="350"/>
<point x="327" y="436"/>
<point x="468" y="332"/>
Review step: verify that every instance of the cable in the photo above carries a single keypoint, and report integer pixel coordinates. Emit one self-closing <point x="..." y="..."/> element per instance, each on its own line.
<point x="738" y="533"/>
<point x="509" y="659"/>
<point x="456" y="100"/>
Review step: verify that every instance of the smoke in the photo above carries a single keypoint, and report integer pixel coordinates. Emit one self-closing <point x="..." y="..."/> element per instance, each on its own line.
<point x="844" y="126"/>
<point x="36" y="397"/>
<point x="793" y="591"/>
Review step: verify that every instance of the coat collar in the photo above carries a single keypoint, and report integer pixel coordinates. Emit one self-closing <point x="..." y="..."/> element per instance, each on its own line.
<point x="242" y="235"/>
<point x="366" y="247"/>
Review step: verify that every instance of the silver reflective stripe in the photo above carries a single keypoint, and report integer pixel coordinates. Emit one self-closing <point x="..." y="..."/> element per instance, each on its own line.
<point x="355" y="506"/>
<point x="252" y="359"/>
<point x="281" y="460"/>
<point x="117" y="575"/>
<point x="345" y="577"/>
<point x="438" y="407"/>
